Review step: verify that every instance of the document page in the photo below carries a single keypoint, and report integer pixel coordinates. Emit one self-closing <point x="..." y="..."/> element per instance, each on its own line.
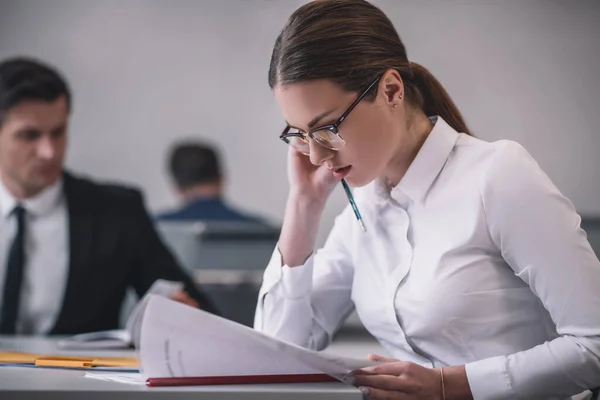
<point x="181" y="341"/>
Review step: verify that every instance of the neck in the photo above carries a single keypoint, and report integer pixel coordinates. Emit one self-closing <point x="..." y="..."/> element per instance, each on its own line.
<point x="415" y="133"/>
<point x="204" y="190"/>
<point x="19" y="192"/>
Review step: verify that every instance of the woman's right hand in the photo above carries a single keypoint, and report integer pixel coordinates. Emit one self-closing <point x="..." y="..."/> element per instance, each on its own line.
<point x="310" y="186"/>
<point x="308" y="181"/>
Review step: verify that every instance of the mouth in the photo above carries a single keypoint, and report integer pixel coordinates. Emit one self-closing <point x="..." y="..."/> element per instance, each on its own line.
<point x="47" y="170"/>
<point x="341" y="173"/>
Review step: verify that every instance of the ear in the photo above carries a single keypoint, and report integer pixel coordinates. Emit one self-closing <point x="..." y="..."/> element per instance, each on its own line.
<point x="221" y="183"/>
<point x="391" y="87"/>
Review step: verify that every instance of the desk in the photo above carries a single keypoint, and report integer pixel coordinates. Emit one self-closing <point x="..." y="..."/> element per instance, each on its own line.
<point x="33" y="383"/>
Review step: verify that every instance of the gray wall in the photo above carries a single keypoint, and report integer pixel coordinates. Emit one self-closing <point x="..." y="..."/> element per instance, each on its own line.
<point x="147" y="72"/>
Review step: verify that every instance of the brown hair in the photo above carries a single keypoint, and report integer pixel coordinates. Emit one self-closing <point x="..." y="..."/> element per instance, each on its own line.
<point x="350" y="42"/>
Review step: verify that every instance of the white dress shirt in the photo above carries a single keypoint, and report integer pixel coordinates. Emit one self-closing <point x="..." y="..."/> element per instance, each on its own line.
<point x="46" y="256"/>
<point x="475" y="258"/>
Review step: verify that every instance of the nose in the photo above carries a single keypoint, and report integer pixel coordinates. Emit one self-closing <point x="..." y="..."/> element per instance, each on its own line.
<point x="319" y="154"/>
<point x="46" y="148"/>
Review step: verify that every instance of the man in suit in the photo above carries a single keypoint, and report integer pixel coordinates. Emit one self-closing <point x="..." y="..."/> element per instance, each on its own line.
<point x="196" y="172"/>
<point x="69" y="247"/>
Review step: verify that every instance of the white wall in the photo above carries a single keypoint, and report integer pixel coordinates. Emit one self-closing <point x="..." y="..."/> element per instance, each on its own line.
<point x="147" y="72"/>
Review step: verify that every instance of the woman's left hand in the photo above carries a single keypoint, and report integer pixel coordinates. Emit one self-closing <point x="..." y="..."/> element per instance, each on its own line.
<point x="401" y="380"/>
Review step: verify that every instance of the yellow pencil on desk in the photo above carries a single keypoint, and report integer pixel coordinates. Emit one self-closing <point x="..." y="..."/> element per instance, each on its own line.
<point x="40" y="360"/>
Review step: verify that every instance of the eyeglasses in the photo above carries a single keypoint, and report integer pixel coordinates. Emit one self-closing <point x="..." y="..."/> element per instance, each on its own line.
<point x="327" y="135"/>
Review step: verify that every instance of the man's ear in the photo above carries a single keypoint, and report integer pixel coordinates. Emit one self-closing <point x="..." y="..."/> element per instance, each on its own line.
<point x="221" y="182"/>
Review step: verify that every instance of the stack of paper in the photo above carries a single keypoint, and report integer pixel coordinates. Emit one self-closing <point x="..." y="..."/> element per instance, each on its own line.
<point x="132" y="379"/>
<point x="180" y="341"/>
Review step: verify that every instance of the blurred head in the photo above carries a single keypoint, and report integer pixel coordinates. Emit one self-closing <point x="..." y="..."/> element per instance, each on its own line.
<point x="195" y="169"/>
<point x="34" y="108"/>
<point x="327" y="55"/>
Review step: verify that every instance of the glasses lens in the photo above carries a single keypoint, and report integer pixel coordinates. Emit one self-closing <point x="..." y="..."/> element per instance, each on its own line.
<point x="299" y="144"/>
<point x="327" y="138"/>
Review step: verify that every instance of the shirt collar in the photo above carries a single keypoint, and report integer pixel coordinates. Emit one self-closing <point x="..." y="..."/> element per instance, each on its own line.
<point x="38" y="205"/>
<point x="424" y="169"/>
<point x="205" y="200"/>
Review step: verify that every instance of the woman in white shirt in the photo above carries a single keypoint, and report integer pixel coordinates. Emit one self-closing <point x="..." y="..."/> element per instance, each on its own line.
<point x="474" y="271"/>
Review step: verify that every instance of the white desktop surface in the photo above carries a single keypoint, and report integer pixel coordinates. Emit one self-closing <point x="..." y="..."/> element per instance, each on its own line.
<point x="43" y="383"/>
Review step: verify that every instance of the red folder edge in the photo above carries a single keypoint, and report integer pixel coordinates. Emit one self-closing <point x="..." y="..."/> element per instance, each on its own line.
<point x="239" y="380"/>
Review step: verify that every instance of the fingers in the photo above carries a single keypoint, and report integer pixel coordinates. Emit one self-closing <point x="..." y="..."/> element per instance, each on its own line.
<point x="378" y="358"/>
<point x="372" y="393"/>
<point x="396" y="368"/>
<point x="179" y="296"/>
<point x="185" y="298"/>
<point x="326" y="176"/>
<point x="386" y="382"/>
<point x="397" y="380"/>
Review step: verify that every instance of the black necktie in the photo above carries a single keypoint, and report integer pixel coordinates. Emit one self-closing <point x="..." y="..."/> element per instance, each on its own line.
<point x="14" y="276"/>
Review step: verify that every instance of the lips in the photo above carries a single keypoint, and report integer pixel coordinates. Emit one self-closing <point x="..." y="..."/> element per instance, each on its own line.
<point x="341" y="173"/>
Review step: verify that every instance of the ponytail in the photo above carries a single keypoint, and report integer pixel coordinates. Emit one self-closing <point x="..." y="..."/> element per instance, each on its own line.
<point x="429" y="95"/>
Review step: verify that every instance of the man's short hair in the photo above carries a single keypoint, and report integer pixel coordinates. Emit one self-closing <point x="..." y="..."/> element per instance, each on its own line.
<point x="194" y="163"/>
<point x="23" y="79"/>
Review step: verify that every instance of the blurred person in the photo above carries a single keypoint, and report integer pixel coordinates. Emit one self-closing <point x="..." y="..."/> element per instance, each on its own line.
<point x="69" y="247"/>
<point x="195" y="169"/>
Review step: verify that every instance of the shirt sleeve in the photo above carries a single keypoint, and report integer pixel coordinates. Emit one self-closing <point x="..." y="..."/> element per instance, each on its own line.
<point x="306" y="304"/>
<point x="538" y="233"/>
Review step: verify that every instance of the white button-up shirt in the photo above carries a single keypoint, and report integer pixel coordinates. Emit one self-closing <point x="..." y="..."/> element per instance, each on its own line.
<point x="46" y="256"/>
<point x="475" y="258"/>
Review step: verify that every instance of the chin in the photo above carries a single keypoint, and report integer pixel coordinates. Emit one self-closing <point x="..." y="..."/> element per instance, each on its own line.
<point x="40" y="182"/>
<point x="357" y="182"/>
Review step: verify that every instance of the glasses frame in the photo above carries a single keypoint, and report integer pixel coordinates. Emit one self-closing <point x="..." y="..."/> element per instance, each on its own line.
<point x="333" y="128"/>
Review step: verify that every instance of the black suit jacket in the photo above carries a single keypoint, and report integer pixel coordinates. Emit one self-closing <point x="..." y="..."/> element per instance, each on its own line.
<point x="113" y="245"/>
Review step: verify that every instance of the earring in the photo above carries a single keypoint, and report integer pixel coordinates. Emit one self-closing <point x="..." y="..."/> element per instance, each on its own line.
<point x="395" y="105"/>
<point x="400" y="96"/>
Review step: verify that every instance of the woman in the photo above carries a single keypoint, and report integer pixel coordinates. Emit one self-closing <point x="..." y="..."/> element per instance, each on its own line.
<point x="473" y="271"/>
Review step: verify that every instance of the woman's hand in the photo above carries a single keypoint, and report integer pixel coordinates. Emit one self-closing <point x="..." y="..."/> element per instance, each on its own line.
<point x="310" y="186"/>
<point x="401" y="380"/>
<point x="404" y="380"/>
<point x="308" y="181"/>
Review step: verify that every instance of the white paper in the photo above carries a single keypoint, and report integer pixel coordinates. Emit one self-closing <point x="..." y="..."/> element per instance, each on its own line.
<point x="115" y="339"/>
<point x="179" y="341"/>
<point x="122" y="338"/>
<point x="135" y="379"/>
<point x="162" y="288"/>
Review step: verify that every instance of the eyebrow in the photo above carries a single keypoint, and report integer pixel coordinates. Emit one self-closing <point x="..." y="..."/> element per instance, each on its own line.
<point x="28" y="128"/>
<point x="316" y="119"/>
<point x="60" y="127"/>
<point x="31" y="128"/>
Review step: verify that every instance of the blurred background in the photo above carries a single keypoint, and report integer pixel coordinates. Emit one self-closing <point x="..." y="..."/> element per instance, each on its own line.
<point x="146" y="73"/>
